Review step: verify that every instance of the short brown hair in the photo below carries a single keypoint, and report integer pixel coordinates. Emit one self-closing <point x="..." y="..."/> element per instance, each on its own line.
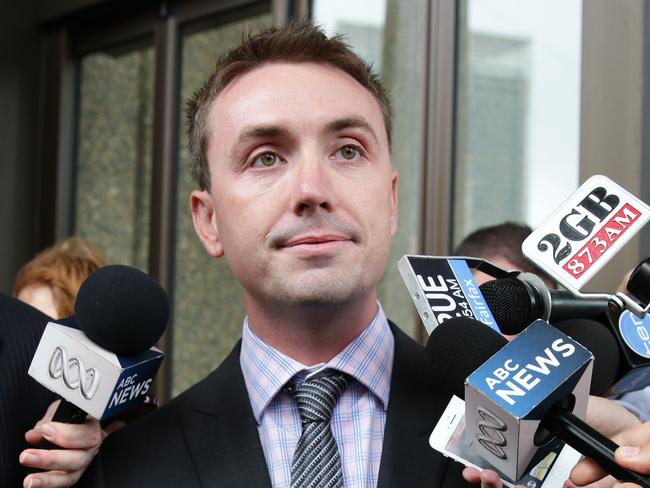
<point x="62" y="267"/>
<point x="297" y="42"/>
<point x="504" y="241"/>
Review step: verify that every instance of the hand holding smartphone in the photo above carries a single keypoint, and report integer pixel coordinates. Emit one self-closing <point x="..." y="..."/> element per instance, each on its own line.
<point x="549" y="469"/>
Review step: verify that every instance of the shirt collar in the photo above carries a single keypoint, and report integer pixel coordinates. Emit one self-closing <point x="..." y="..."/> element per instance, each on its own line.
<point x="368" y="359"/>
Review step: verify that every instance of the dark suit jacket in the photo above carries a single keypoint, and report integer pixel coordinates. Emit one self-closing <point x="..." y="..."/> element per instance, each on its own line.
<point x="22" y="400"/>
<point x="208" y="436"/>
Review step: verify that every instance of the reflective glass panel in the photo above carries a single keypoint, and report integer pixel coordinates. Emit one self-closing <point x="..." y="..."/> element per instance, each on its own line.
<point x="113" y="164"/>
<point x="518" y="110"/>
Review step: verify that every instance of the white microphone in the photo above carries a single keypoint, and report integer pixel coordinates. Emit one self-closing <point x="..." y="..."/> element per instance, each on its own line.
<point x="102" y="361"/>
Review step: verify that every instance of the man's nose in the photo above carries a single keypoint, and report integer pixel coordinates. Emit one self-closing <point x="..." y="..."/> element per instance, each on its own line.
<point x="312" y="187"/>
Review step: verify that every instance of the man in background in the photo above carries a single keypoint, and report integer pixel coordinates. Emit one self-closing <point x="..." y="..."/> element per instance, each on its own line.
<point x="501" y="245"/>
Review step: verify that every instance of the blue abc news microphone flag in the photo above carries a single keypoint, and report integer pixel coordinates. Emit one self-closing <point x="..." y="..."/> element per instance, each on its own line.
<point x="508" y="396"/>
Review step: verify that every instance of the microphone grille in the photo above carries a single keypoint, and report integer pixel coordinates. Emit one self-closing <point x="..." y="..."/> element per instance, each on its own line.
<point x="510" y="303"/>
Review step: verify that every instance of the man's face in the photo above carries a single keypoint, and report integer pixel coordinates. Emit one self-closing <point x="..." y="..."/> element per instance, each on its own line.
<point x="303" y="199"/>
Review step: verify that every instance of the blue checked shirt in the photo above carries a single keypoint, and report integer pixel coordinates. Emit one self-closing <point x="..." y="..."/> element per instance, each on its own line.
<point x="359" y="416"/>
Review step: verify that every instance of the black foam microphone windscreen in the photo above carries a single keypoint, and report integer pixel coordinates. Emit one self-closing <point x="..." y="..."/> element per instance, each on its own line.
<point x="515" y="303"/>
<point x="130" y="318"/>
<point x="597" y="338"/>
<point x="447" y="344"/>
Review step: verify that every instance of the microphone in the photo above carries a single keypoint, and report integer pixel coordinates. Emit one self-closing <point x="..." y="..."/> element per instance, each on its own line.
<point x="596" y="338"/>
<point x="633" y="340"/>
<point x="639" y="282"/>
<point x="122" y="309"/>
<point x="449" y="342"/>
<point x="102" y="362"/>
<point x="517" y="301"/>
<point x="523" y="394"/>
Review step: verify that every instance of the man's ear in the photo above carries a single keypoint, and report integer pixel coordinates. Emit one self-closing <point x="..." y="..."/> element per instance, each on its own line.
<point x="205" y="222"/>
<point x="394" y="202"/>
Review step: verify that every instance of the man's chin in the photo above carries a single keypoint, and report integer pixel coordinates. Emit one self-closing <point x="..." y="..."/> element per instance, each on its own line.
<point x="323" y="292"/>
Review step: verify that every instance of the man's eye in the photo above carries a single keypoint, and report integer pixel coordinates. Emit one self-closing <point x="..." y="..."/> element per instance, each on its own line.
<point x="265" y="159"/>
<point x="348" y="152"/>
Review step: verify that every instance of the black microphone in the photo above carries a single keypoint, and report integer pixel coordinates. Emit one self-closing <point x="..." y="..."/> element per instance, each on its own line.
<point x="517" y="302"/>
<point x="593" y="335"/>
<point x="639" y="281"/>
<point x="100" y="361"/>
<point x="597" y="338"/>
<point x="122" y="309"/>
<point x="493" y="422"/>
<point x="448" y="343"/>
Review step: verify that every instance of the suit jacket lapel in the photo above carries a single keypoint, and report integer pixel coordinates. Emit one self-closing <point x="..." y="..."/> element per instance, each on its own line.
<point x="221" y="431"/>
<point x="413" y="409"/>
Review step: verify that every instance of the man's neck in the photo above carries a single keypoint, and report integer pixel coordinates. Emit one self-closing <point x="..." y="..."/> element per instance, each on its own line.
<point x="310" y="334"/>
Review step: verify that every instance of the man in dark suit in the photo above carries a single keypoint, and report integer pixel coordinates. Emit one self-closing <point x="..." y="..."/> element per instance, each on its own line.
<point x="208" y="436"/>
<point x="290" y="142"/>
<point x="22" y="400"/>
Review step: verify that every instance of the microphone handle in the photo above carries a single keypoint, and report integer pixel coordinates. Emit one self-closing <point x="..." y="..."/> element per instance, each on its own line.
<point x="565" y="306"/>
<point x="588" y="441"/>
<point x="67" y="413"/>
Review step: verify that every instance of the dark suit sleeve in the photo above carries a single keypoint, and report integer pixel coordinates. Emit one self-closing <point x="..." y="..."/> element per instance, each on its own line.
<point x="22" y="400"/>
<point x="453" y="477"/>
<point x="94" y="475"/>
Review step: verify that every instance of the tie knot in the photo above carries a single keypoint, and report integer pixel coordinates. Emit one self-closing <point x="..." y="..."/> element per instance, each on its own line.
<point x="316" y="397"/>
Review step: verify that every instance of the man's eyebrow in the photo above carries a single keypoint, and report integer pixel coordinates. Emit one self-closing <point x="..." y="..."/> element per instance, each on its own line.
<point x="351" y="123"/>
<point x="261" y="131"/>
<point x="254" y="132"/>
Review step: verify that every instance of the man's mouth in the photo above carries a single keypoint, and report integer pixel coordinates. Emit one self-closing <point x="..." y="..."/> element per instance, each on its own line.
<point x="322" y="232"/>
<point x="314" y="240"/>
<point x="316" y="243"/>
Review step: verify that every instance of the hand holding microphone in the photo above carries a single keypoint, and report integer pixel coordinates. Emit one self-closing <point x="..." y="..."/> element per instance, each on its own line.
<point x="123" y="311"/>
<point x="100" y="362"/>
<point x="73" y="448"/>
<point x="504" y="430"/>
<point x="633" y="453"/>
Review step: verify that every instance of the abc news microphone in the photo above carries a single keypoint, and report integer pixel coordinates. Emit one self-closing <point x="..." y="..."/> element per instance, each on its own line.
<point x="517" y="301"/>
<point x="521" y="394"/>
<point x="102" y="361"/>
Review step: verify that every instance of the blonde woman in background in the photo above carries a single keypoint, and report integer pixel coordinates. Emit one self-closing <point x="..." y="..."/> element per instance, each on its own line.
<point x="51" y="280"/>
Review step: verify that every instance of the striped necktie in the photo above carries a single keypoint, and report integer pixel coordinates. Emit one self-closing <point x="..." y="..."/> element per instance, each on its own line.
<point x="316" y="462"/>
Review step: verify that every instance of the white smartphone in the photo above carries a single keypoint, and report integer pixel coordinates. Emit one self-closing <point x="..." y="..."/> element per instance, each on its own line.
<point x="549" y="470"/>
